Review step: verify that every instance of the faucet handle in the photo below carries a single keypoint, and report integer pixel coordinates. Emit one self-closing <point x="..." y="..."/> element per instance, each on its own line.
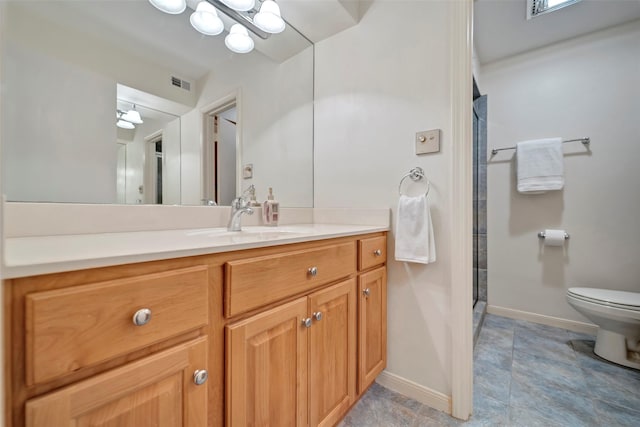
<point x="238" y="203"/>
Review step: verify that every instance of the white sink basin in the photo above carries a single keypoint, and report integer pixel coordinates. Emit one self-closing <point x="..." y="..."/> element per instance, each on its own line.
<point x="247" y="234"/>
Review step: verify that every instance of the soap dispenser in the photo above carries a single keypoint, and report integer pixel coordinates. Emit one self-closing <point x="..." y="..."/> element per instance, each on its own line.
<point x="252" y="197"/>
<point x="270" y="210"/>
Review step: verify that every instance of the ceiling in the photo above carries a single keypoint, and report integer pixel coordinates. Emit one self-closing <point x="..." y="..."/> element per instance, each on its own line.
<point x="169" y="40"/>
<point x="502" y="30"/>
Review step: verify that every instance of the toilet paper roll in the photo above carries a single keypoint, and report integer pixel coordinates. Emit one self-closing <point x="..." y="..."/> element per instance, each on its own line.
<point x="554" y="237"/>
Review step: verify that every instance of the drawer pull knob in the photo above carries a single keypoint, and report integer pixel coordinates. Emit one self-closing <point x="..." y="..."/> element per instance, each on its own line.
<point x="377" y="252"/>
<point x="317" y="315"/>
<point x="142" y="317"/>
<point x="200" y="376"/>
<point x="313" y="271"/>
<point x="306" y="322"/>
<point x="366" y="292"/>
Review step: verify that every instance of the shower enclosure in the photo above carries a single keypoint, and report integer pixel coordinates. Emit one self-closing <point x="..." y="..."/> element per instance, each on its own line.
<point x="479" y="196"/>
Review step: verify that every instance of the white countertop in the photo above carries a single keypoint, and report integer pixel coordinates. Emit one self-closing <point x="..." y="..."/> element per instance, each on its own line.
<point x="28" y="256"/>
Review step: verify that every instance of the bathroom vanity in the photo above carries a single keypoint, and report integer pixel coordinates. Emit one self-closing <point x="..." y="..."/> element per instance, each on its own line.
<point x="274" y="330"/>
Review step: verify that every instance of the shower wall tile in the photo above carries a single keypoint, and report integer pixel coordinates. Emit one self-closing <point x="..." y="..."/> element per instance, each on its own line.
<point x="481" y="217"/>
<point x="482" y="284"/>
<point x="482" y="251"/>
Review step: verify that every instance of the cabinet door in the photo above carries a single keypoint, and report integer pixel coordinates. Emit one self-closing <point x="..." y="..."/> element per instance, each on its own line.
<point x="267" y="368"/>
<point x="158" y="390"/>
<point x="372" y="326"/>
<point x="332" y="353"/>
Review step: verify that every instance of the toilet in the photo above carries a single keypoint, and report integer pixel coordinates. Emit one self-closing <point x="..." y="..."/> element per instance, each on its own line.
<point x="617" y="314"/>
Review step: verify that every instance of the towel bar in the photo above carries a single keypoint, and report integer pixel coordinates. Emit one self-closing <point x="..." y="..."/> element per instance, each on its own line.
<point x="585" y="141"/>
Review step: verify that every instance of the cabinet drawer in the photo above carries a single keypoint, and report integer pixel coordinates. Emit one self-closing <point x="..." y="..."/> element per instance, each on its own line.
<point x="72" y="328"/>
<point x="372" y="251"/>
<point x="255" y="282"/>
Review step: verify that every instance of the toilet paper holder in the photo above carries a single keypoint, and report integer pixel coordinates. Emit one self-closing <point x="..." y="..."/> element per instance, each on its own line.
<point x="542" y="235"/>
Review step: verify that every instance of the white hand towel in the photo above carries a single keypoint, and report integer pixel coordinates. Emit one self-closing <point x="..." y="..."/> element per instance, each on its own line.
<point x="540" y="165"/>
<point x="414" y="231"/>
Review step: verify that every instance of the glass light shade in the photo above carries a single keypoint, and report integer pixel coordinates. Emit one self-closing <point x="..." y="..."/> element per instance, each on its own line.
<point x="173" y="7"/>
<point x="124" y="124"/>
<point x="240" y="5"/>
<point x="205" y="19"/>
<point x="269" y="19"/>
<point x="132" y="116"/>
<point x="238" y="39"/>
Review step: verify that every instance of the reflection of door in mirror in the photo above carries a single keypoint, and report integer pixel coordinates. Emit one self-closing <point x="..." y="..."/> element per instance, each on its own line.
<point x="153" y="169"/>
<point x="219" y="165"/>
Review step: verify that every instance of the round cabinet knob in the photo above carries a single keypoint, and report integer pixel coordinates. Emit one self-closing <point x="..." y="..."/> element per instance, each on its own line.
<point x="142" y="317"/>
<point x="313" y="271"/>
<point x="377" y="252"/>
<point x="366" y="292"/>
<point x="306" y="322"/>
<point x="200" y="376"/>
<point x="317" y="315"/>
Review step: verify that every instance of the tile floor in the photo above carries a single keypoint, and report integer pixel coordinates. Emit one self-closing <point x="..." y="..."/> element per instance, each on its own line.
<point x="526" y="375"/>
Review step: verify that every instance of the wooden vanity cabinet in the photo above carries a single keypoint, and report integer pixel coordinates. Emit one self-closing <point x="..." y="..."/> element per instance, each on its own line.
<point x="289" y="335"/>
<point x="372" y="309"/>
<point x="156" y="391"/>
<point x="116" y="346"/>
<point x="372" y="331"/>
<point x="294" y="365"/>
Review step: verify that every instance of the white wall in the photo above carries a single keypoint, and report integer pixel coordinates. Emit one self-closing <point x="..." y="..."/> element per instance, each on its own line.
<point x="275" y="121"/>
<point x="58" y="130"/>
<point x="377" y="84"/>
<point x="172" y="164"/>
<point x="67" y="44"/>
<point x="585" y="87"/>
<point x="60" y="90"/>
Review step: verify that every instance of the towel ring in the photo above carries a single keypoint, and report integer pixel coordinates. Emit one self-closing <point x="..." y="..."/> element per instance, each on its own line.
<point x="416" y="174"/>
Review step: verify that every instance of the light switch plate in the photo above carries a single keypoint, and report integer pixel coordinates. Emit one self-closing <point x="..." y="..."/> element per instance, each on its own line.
<point x="247" y="171"/>
<point x="428" y="141"/>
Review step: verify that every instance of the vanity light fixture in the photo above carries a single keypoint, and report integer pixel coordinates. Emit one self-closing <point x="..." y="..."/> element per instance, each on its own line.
<point x="205" y="19"/>
<point x="238" y="39"/>
<point x="261" y="17"/>
<point x="269" y="19"/>
<point x="240" y="5"/>
<point x="173" y="7"/>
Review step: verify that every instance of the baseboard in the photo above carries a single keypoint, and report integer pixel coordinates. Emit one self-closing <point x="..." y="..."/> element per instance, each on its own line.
<point x="422" y="394"/>
<point x="572" y="325"/>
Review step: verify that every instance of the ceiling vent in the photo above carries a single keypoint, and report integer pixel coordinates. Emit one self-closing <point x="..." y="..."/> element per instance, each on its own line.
<point x="539" y="7"/>
<point x="180" y="83"/>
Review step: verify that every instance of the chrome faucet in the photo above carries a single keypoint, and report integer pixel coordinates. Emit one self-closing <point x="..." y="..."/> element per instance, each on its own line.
<point x="239" y="206"/>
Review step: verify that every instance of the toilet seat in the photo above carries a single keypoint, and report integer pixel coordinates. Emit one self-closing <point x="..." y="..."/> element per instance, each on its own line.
<point x="609" y="298"/>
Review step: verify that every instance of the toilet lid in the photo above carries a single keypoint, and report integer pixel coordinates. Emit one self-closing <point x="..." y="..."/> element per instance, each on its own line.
<point x="621" y="299"/>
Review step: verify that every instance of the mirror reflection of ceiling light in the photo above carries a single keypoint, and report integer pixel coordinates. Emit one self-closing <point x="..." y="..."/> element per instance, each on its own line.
<point x="123" y="124"/>
<point x="238" y="40"/>
<point x="173" y="7"/>
<point x="263" y="22"/>
<point x="269" y="19"/>
<point x="127" y="119"/>
<point x="205" y="19"/>
<point x="132" y="116"/>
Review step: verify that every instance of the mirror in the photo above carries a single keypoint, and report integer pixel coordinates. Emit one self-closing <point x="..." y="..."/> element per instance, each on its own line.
<point x="69" y="66"/>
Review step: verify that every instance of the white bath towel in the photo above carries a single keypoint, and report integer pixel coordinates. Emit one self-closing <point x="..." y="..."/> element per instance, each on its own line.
<point x="414" y="231"/>
<point x="540" y="165"/>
